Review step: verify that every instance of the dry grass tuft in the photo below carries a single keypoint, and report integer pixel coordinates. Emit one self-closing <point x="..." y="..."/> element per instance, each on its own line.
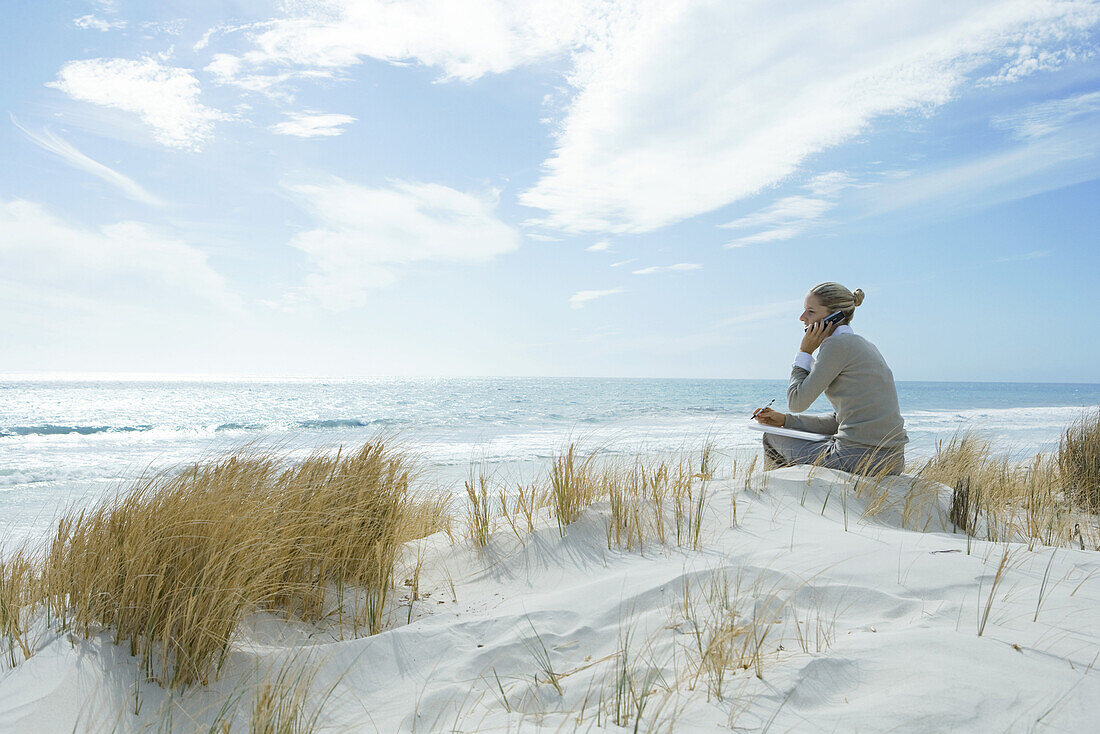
<point x="1043" y="500"/>
<point x="1079" y="461"/>
<point x="19" y="586"/>
<point x="284" y="698"/>
<point x="172" y="566"/>
<point x="998" y="576"/>
<point x="649" y="499"/>
<point x="634" y="684"/>
<point x="728" y="629"/>
<point x="478" y="523"/>
<point x="573" y="486"/>
<point x="284" y="703"/>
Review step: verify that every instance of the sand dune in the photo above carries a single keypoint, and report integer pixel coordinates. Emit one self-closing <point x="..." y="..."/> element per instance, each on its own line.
<point x="817" y="610"/>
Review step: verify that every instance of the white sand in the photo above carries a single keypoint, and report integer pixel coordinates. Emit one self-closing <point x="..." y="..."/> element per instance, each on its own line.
<point x="895" y="614"/>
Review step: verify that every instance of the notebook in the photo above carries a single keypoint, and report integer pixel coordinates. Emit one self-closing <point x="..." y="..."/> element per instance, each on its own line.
<point x="789" y="432"/>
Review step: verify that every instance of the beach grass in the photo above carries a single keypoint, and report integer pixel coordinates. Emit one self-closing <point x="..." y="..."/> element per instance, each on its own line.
<point x="573" y="485"/>
<point x="478" y="509"/>
<point x="1079" y="461"/>
<point x="19" y="588"/>
<point x="173" y="565"/>
<point x="1043" y="500"/>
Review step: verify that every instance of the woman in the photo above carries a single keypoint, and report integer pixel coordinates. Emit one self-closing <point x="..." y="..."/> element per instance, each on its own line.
<point x="867" y="433"/>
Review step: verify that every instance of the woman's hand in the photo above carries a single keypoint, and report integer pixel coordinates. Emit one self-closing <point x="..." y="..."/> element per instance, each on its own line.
<point x="770" y="417"/>
<point x="816" y="334"/>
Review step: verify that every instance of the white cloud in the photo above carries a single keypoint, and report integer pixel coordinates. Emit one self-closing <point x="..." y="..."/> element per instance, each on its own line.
<point x="538" y="237"/>
<point x="787" y="209"/>
<point x="736" y="96"/>
<point x="776" y="234"/>
<point x="624" y="262"/>
<point x="1028" y="60"/>
<point x="230" y="69"/>
<point x="1033" y="255"/>
<point x="127" y="260"/>
<point x="790" y="216"/>
<point x="167" y="27"/>
<point x="677" y="268"/>
<point x="830" y="183"/>
<point x="223" y="66"/>
<point x="578" y="299"/>
<point x="1048" y="117"/>
<point x="313" y="124"/>
<point x="601" y="246"/>
<point x="765" y="312"/>
<point x="165" y="97"/>
<point x="679" y="107"/>
<point x="465" y="39"/>
<point x="1062" y="157"/>
<point x="91" y="22"/>
<point x="365" y="235"/>
<point x="69" y="153"/>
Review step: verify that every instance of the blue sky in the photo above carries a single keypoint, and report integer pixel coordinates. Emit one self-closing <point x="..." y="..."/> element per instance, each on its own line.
<point x="478" y="187"/>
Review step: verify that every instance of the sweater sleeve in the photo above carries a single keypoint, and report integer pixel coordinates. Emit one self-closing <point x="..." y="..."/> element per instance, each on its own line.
<point x="827" y="425"/>
<point x="806" y="385"/>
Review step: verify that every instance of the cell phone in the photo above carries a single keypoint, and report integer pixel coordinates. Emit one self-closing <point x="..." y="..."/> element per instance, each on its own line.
<point x="833" y="318"/>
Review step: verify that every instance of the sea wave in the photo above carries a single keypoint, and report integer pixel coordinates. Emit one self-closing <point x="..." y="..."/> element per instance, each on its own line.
<point x="994" y="419"/>
<point x="52" y="429"/>
<point x="240" y="427"/>
<point x="338" y="423"/>
<point x="49" y="429"/>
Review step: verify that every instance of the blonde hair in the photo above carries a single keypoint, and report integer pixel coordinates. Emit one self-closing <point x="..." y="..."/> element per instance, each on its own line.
<point x="835" y="297"/>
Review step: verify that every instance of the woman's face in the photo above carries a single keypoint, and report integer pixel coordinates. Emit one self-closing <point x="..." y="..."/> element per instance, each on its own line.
<point x="814" y="310"/>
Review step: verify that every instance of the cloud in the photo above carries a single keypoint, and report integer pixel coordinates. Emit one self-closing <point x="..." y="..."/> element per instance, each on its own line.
<point x="166" y="27"/>
<point x="464" y="39"/>
<point x="680" y="107"/>
<point x="363" y="236"/>
<point x="601" y="246"/>
<point x="765" y="312"/>
<point x="787" y="209"/>
<point x="769" y="235"/>
<point x="737" y="96"/>
<point x="538" y="237"/>
<point x="126" y="260"/>
<point x="790" y="216"/>
<point x="91" y="22"/>
<point x="678" y="267"/>
<point x="68" y="152"/>
<point x="578" y="299"/>
<point x="1062" y="157"/>
<point x="830" y="183"/>
<point x="1049" y="117"/>
<point x="1033" y="255"/>
<point x="1029" y="59"/>
<point x="230" y="69"/>
<point x="166" y="98"/>
<point x="313" y="124"/>
<point x="624" y="262"/>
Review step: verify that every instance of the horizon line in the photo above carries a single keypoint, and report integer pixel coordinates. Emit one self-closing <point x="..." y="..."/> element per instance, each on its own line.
<point x="60" y="376"/>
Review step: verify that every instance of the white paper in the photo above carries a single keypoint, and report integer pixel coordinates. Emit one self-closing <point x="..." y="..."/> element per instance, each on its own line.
<point x="789" y="432"/>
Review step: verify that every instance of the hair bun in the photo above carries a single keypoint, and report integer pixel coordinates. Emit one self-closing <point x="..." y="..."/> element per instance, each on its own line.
<point x="857" y="296"/>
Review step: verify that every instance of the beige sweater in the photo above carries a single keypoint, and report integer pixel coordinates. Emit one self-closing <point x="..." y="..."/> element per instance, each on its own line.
<point x="856" y="380"/>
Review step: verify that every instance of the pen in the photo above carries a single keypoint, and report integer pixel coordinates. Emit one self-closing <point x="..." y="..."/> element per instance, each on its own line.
<point x="764" y="408"/>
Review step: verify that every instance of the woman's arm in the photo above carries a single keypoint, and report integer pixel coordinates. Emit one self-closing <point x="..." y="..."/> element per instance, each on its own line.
<point x="806" y="385"/>
<point x="826" y="425"/>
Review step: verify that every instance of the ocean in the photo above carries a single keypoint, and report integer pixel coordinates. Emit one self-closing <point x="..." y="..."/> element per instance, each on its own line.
<point x="66" y="443"/>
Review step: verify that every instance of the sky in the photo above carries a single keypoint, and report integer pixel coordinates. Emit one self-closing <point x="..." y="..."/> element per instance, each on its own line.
<point x="478" y="187"/>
